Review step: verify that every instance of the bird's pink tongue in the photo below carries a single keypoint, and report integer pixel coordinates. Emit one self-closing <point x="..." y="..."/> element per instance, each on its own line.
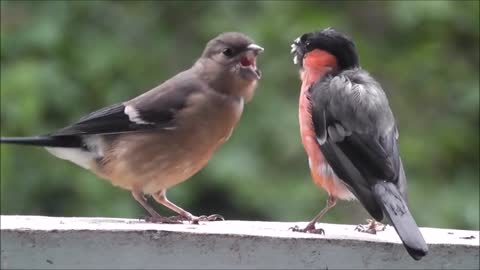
<point x="245" y="62"/>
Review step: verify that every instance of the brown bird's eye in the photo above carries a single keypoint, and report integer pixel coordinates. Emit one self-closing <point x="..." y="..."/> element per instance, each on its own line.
<point x="228" y="52"/>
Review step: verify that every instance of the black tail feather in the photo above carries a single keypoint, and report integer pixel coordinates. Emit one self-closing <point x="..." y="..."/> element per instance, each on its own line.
<point x="393" y="204"/>
<point x="46" y="141"/>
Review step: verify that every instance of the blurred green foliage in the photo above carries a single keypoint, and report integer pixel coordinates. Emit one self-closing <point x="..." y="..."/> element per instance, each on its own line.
<point x="62" y="59"/>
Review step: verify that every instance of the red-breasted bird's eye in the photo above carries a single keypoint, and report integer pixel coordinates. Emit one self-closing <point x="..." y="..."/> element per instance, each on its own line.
<point x="307" y="45"/>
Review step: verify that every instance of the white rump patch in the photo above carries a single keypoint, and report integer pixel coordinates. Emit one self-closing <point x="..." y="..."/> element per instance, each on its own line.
<point x="76" y="155"/>
<point x="82" y="157"/>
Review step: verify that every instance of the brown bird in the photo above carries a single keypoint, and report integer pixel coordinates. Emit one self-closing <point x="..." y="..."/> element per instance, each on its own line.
<point x="163" y="137"/>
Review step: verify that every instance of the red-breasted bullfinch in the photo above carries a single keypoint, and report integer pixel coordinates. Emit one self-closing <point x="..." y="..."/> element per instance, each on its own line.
<point x="349" y="133"/>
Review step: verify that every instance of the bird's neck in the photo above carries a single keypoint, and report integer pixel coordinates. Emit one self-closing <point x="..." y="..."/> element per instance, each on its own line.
<point x="315" y="65"/>
<point x="224" y="81"/>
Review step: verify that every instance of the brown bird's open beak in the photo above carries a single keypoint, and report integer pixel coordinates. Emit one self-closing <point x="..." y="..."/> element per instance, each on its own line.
<point x="248" y="62"/>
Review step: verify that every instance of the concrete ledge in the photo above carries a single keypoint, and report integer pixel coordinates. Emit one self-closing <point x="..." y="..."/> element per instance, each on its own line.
<point x="34" y="242"/>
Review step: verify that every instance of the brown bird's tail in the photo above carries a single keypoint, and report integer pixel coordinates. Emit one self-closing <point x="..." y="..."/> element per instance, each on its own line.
<point x="393" y="204"/>
<point x="46" y="141"/>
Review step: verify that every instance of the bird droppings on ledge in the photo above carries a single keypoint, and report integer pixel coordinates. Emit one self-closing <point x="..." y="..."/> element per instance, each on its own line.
<point x="132" y="243"/>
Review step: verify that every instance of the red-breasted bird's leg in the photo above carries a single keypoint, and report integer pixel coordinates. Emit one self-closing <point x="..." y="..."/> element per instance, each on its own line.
<point x="371" y="227"/>
<point x="161" y="197"/>
<point x="154" y="216"/>
<point x="310" y="228"/>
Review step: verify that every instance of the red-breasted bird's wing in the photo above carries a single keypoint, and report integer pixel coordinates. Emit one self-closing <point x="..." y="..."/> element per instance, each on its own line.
<point x="356" y="132"/>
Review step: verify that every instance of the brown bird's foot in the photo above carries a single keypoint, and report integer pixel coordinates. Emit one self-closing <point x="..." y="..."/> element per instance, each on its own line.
<point x="213" y="217"/>
<point x="161" y="197"/>
<point x="165" y="220"/>
<point x="309" y="229"/>
<point x="372" y="227"/>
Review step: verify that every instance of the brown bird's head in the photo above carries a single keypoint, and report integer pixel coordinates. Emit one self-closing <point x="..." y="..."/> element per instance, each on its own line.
<point x="229" y="64"/>
<point x="327" y="48"/>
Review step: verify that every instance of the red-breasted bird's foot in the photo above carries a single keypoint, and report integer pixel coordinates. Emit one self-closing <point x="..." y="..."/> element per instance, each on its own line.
<point x="309" y="229"/>
<point x="371" y="227"/>
<point x="213" y="217"/>
<point x="331" y="201"/>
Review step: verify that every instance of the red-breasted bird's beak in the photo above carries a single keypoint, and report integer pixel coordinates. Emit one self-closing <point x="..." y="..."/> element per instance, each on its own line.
<point x="248" y="62"/>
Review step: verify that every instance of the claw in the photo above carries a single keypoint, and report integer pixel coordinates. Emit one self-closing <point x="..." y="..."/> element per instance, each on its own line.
<point x="372" y="227"/>
<point x="213" y="217"/>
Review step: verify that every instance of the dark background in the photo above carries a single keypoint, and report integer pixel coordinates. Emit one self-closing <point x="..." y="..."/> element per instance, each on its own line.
<point x="63" y="59"/>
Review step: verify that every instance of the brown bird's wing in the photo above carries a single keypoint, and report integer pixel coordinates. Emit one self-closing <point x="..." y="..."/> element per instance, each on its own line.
<point x="155" y="109"/>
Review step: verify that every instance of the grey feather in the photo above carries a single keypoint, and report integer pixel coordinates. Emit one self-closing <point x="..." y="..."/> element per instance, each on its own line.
<point x="354" y="123"/>
<point x="362" y="148"/>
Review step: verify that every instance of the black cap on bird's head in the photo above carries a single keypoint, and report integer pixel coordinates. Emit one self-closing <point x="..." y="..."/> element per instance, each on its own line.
<point x="336" y="43"/>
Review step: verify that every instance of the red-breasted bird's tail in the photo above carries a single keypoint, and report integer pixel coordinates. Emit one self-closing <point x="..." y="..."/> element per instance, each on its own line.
<point x="394" y="205"/>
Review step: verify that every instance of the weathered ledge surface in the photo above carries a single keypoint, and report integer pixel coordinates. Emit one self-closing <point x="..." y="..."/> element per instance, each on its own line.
<point x="40" y="242"/>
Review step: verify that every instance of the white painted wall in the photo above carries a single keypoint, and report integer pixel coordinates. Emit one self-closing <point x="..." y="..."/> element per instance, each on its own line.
<point x="30" y="242"/>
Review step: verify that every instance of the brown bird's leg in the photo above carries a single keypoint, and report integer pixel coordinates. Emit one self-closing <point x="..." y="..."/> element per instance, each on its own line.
<point x="154" y="216"/>
<point x="161" y="197"/>
<point x="371" y="227"/>
<point x="310" y="228"/>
